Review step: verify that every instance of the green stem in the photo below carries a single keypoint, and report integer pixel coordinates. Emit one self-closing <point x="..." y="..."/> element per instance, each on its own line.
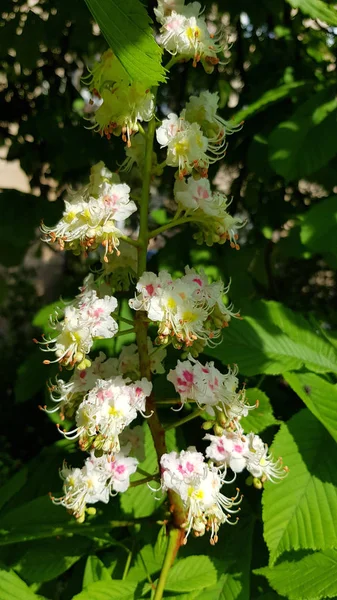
<point x="125" y="331"/>
<point x="174" y="223"/>
<point x="145" y="480"/>
<point x="127" y="564"/>
<point x="170" y="63"/>
<point x="141" y="327"/>
<point x="129" y="240"/>
<point x="173" y="545"/>
<point x="124" y="320"/>
<point x="190" y="417"/>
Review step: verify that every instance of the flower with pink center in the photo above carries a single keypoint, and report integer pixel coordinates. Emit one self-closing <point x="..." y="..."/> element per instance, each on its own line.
<point x="228" y="450"/>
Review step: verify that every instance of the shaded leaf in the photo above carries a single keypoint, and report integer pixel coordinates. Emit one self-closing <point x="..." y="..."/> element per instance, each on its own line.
<point x="319" y="226"/>
<point x="44" y="560"/>
<point x="95" y="571"/>
<point x="304" y="143"/>
<point x="269" y="97"/>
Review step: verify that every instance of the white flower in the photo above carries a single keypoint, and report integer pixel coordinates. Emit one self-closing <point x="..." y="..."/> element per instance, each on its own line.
<point x="229" y="450"/>
<point x="184" y="33"/>
<point x="108" y="408"/>
<point x="259" y="461"/>
<point x="89" y="317"/>
<point x="116" y="469"/>
<point x="209" y="388"/>
<point x="68" y="395"/>
<point x="81" y="487"/>
<point x="90" y="215"/>
<point x="209" y="210"/>
<point x="203" y="110"/>
<point x="99" y="478"/>
<point x="198" y="485"/>
<point x="186" y="145"/>
<point x="187" y="309"/>
<point x="165" y="8"/>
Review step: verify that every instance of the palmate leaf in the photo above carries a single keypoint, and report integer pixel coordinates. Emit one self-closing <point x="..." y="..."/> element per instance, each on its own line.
<point x="273" y="339"/>
<point x="261" y="417"/>
<point x="301" y="511"/>
<point x="125" y="25"/>
<point x="317" y="10"/>
<point x="311" y="578"/>
<point x="305" y="142"/>
<point x="108" y="590"/>
<point x="13" y="588"/>
<point x="319" y="396"/>
<point x="191" y="573"/>
<point x="268" y="98"/>
<point x="318" y="228"/>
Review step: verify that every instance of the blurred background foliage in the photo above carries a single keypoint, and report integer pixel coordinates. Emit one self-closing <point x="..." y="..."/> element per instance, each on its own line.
<point x="280" y="79"/>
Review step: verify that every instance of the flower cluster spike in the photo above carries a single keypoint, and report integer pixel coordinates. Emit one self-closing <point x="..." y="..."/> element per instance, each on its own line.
<point x="103" y="396"/>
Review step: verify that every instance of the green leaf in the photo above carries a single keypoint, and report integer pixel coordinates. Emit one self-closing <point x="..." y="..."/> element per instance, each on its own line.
<point x="140" y="501"/>
<point x="25" y="210"/>
<point x="41" y="519"/>
<point x="301" y="511"/>
<point x="112" y="590"/>
<point x="268" y="98"/>
<point x="149" y="559"/>
<point x="319" y="226"/>
<point x="311" y="578"/>
<point x="95" y="571"/>
<point x="319" y="396"/>
<point x="317" y="10"/>
<point x="13" y="486"/>
<point x="13" y="588"/>
<point x="273" y="339"/>
<point x="43" y="560"/>
<point x="32" y="376"/>
<point x="261" y="417"/>
<point x="192" y="573"/>
<point x="304" y="143"/>
<point x="125" y="25"/>
<point x="233" y="563"/>
<point x="42" y="317"/>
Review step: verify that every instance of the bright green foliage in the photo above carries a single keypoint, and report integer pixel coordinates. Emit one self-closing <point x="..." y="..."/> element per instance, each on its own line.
<point x="316" y="9"/>
<point x="319" y="395"/>
<point x="13" y="588"/>
<point x="126" y="27"/>
<point x="272" y="339"/>
<point x="192" y="573"/>
<point x="112" y="590"/>
<point x="94" y="571"/>
<point x="302" y="512"/>
<point x="262" y="417"/>
<point x="310" y="578"/>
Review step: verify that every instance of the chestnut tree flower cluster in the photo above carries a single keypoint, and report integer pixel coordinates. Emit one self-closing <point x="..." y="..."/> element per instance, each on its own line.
<point x="104" y="396"/>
